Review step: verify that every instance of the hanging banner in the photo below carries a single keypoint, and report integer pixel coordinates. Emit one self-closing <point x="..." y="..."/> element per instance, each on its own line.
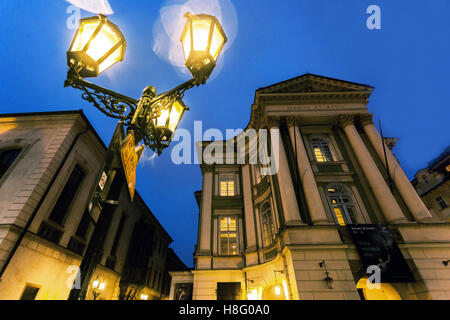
<point x="379" y="252"/>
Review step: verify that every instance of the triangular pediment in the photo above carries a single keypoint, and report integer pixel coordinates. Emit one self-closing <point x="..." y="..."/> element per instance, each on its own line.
<point x="309" y="83"/>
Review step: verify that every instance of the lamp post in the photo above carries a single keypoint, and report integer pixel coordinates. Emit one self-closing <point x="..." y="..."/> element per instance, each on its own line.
<point x="99" y="44"/>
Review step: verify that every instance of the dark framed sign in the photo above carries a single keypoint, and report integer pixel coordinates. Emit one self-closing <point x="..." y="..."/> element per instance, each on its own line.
<point x="377" y="247"/>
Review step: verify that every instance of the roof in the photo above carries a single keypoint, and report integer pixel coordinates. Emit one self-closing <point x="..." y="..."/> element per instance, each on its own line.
<point x="52" y="113"/>
<point x="310" y="76"/>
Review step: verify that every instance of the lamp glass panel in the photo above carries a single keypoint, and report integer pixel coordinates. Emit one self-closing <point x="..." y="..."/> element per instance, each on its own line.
<point x="104" y="41"/>
<point x="175" y="115"/>
<point x="216" y="42"/>
<point x="115" y="57"/>
<point x="186" y="41"/>
<point x="201" y="34"/>
<point x="85" y="33"/>
<point x="161" y="121"/>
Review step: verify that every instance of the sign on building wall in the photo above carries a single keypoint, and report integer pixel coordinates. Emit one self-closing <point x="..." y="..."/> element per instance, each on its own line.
<point x="377" y="247"/>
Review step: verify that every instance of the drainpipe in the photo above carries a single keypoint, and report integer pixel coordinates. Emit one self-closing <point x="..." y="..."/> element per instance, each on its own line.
<point x="38" y="206"/>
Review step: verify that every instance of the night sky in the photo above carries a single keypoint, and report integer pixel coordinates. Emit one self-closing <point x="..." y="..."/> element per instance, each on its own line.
<point x="407" y="61"/>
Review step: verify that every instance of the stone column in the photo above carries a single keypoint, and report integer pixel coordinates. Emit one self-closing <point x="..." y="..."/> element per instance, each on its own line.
<point x="248" y="208"/>
<point x="383" y="195"/>
<point x="206" y="209"/>
<point x="288" y="197"/>
<point x="313" y="199"/>
<point x="401" y="181"/>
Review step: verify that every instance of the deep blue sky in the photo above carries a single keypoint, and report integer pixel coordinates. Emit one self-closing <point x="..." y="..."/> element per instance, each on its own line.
<point x="407" y="61"/>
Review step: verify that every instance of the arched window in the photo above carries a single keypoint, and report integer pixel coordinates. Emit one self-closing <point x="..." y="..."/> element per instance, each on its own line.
<point x="7" y="157"/>
<point x="321" y="148"/>
<point x="342" y="203"/>
<point x="267" y="223"/>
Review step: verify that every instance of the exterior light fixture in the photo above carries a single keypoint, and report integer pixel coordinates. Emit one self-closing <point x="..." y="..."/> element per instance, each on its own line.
<point x="203" y="40"/>
<point x="144" y="297"/>
<point x="277" y="287"/>
<point x="97" y="288"/>
<point x="329" y="280"/>
<point x="98" y="44"/>
<point x="169" y="118"/>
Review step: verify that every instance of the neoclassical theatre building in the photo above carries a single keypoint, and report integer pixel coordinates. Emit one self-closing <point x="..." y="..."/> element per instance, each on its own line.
<point x="338" y="213"/>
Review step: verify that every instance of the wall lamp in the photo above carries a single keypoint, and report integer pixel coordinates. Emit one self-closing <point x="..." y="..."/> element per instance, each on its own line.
<point x="329" y="280"/>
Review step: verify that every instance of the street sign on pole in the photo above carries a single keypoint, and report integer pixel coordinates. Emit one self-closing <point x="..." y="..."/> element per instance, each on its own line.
<point x="130" y="161"/>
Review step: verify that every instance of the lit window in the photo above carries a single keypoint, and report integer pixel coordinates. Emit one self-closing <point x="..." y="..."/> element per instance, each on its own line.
<point x="228" y="236"/>
<point x="267" y="223"/>
<point x="447" y="168"/>
<point x="442" y="203"/>
<point x="7" y="157"/>
<point x="227" y="185"/>
<point x="321" y="149"/>
<point x="342" y="203"/>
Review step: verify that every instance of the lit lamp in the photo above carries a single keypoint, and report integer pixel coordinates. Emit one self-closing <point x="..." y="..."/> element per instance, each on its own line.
<point x="98" y="288"/>
<point x="277" y="286"/>
<point x="202" y="39"/>
<point x="167" y="121"/>
<point x="144" y="297"/>
<point x="98" y="44"/>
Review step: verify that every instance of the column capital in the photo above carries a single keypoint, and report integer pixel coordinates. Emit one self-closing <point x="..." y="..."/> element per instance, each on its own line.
<point x="346" y="120"/>
<point x="291" y="121"/>
<point x="207" y="167"/>
<point x="273" y="122"/>
<point x="365" y="119"/>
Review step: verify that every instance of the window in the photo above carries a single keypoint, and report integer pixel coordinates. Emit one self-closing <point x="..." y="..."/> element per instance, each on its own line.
<point x="7" y="158"/>
<point x="342" y="203"/>
<point x="228" y="236"/>
<point x="227" y="185"/>
<point x="425" y="179"/>
<point x="262" y="168"/>
<point x="29" y="293"/>
<point x="267" y="223"/>
<point x="321" y="149"/>
<point x="84" y="225"/>
<point x="442" y="203"/>
<point x="67" y="195"/>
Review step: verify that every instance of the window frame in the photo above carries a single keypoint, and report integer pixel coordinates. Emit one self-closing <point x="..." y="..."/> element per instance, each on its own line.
<point x="228" y="177"/>
<point x="75" y="194"/>
<point x="325" y="140"/>
<point x="220" y="232"/>
<point x="15" y="161"/>
<point x="264" y="221"/>
<point x="343" y="205"/>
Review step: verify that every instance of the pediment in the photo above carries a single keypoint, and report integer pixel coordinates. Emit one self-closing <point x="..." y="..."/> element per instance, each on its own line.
<point x="310" y="83"/>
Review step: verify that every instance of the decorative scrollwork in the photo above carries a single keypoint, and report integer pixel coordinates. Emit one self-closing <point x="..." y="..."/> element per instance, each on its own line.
<point x="137" y="115"/>
<point x="112" y="104"/>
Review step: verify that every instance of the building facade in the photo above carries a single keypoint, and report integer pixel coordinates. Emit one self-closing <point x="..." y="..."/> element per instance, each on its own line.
<point x="49" y="164"/>
<point x="433" y="186"/>
<point x="292" y="232"/>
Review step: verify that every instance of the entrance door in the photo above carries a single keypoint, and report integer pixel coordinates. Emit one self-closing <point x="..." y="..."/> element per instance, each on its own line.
<point x="228" y="291"/>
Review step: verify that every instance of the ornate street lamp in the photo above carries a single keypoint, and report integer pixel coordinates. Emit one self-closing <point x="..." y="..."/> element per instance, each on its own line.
<point x="99" y="44"/>
<point x="203" y="40"/>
